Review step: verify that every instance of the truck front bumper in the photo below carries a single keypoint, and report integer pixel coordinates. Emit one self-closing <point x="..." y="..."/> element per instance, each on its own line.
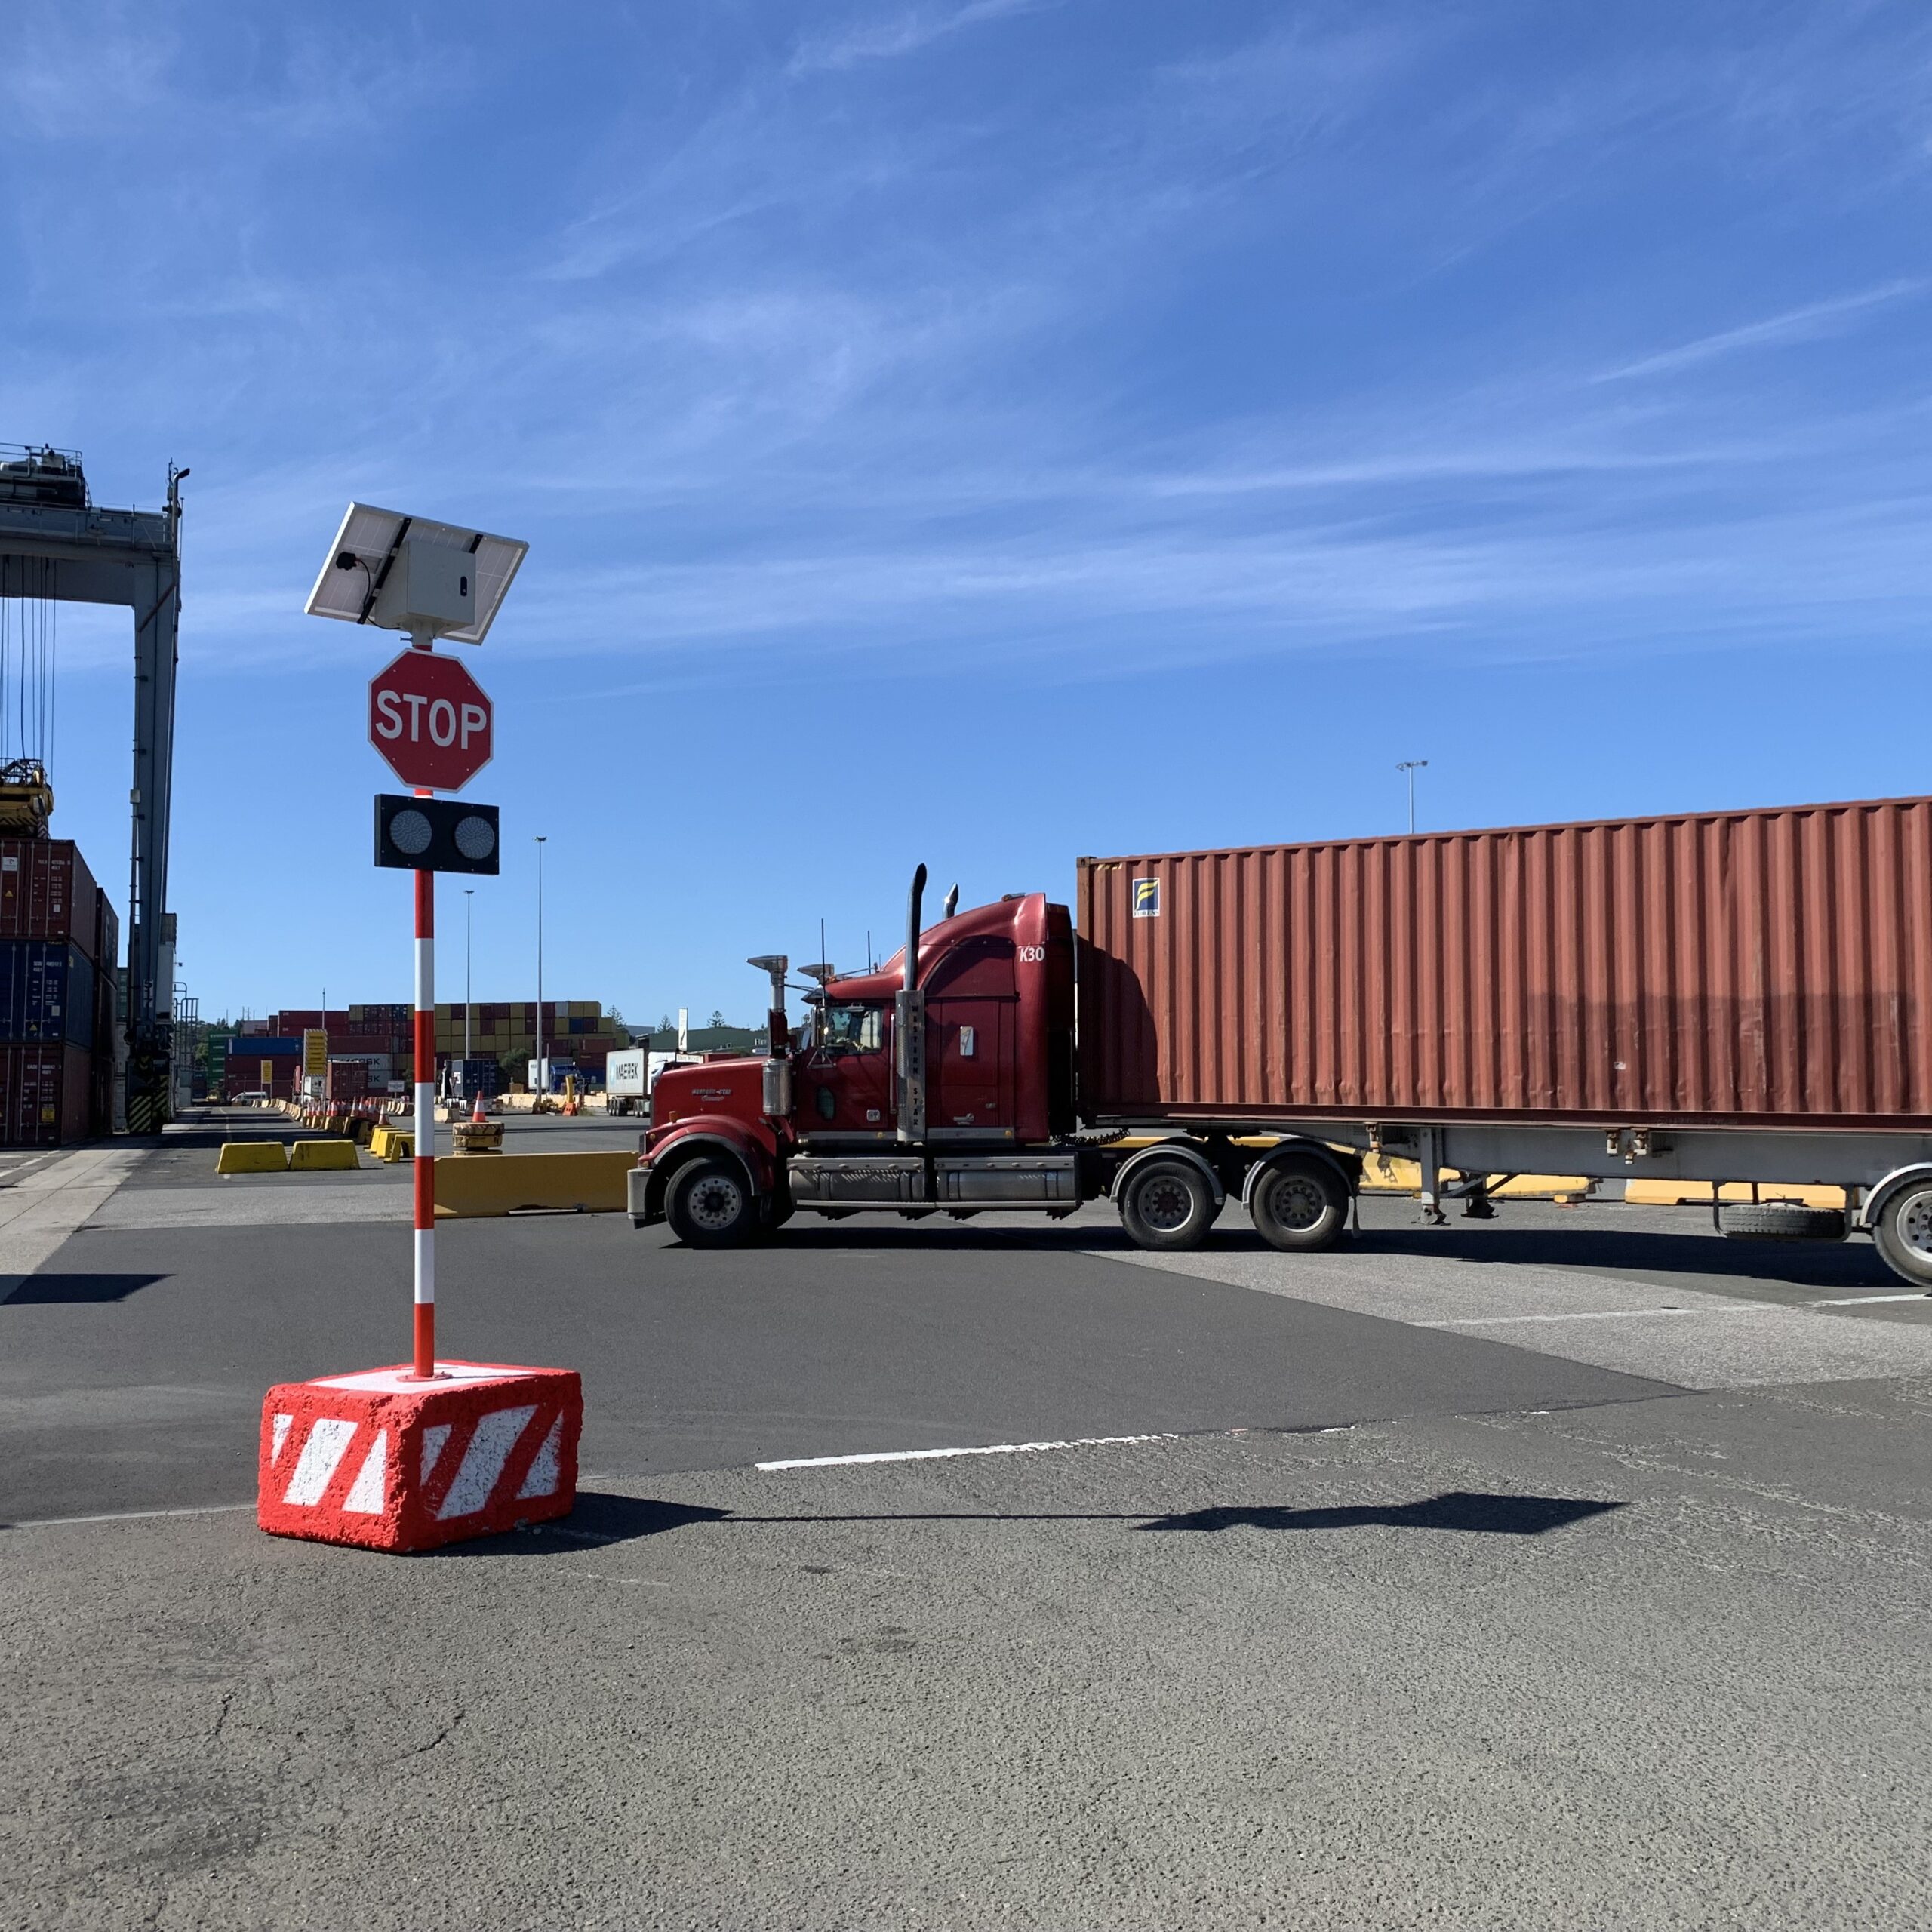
<point x="637" y="1193"/>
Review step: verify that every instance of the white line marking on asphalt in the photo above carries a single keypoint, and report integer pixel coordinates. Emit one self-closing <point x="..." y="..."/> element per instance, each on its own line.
<point x="1858" y="1301"/>
<point x="127" y="1516"/>
<point x="982" y="1449"/>
<point x="1599" y="1315"/>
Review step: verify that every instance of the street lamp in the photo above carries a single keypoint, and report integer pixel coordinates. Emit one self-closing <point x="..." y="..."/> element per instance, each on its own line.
<point x="543" y="1071"/>
<point x="469" y="907"/>
<point x="1411" y="766"/>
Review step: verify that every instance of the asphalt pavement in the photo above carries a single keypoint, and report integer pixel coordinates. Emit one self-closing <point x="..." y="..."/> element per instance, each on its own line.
<point x="1552" y="1572"/>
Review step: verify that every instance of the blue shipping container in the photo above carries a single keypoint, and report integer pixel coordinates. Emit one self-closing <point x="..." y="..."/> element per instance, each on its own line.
<point x="46" y="992"/>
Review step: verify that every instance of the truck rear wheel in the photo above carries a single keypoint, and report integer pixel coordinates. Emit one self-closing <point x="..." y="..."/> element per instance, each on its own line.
<point x="1167" y="1205"/>
<point x="710" y="1204"/>
<point x="1904" y="1233"/>
<point x="1300" y="1206"/>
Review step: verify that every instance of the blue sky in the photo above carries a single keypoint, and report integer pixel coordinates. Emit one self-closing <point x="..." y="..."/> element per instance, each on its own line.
<point x="979" y="432"/>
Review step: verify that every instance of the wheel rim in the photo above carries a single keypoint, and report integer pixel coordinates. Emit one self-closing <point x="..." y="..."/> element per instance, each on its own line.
<point x="1166" y="1204"/>
<point x="1915" y="1227"/>
<point x="715" y="1204"/>
<point x="1296" y="1203"/>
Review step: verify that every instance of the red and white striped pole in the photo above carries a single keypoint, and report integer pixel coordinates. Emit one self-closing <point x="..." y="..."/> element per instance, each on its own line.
<point x="426" y="1123"/>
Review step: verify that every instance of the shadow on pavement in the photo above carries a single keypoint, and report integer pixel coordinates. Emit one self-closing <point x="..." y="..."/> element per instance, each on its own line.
<point x="73" y="1287"/>
<point x="600" y="1517"/>
<point x="1641" y="1251"/>
<point x="1454" y="1509"/>
<point x="1825" y="1264"/>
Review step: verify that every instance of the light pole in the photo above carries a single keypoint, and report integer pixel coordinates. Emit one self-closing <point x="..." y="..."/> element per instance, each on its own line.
<point x="1411" y="766"/>
<point x="469" y="907"/>
<point x="542" y="1071"/>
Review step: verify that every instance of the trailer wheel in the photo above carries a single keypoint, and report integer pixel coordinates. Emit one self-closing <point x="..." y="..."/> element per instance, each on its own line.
<point x="1780" y="1220"/>
<point x="709" y="1204"/>
<point x="1167" y="1205"/>
<point x="1300" y="1206"/>
<point x="1904" y="1234"/>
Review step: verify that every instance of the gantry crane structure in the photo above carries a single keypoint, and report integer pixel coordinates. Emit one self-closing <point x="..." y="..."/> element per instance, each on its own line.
<point x="55" y="545"/>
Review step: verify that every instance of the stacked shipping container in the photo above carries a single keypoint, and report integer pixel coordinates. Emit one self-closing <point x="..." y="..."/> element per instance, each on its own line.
<point x="498" y="1030"/>
<point x="59" y="943"/>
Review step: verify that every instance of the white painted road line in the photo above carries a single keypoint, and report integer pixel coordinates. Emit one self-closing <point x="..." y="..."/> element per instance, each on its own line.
<point x="1603" y="1315"/>
<point x="982" y="1449"/>
<point x="1859" y="1301"/>
<point x="125" y="1516"/>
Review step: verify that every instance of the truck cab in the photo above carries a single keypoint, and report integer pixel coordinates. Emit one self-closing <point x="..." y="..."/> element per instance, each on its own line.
<point x="944" y="1083"/>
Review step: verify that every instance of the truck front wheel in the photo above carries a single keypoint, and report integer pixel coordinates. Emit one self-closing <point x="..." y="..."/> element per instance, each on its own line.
<point x="709" y="1204"/>
<point x="1167" y="1205"/>
<point x="1300" y="1206"/>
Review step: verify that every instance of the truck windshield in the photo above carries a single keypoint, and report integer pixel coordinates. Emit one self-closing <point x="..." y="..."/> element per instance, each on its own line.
<point x="855" y="1028"/>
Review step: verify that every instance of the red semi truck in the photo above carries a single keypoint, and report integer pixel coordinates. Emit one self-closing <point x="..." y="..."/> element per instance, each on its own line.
<point x="1730" y="997"/>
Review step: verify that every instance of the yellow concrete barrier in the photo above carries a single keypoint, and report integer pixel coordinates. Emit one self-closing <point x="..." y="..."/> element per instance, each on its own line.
<point x="1689" y="1193"/>
<point x="252" y="1157"/>
<point x="393" y="1144"/>
<point x="590" y="1183"/>
<point x="308" y="1156"/>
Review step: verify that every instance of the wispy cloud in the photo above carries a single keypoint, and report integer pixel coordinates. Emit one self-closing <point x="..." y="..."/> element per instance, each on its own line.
<point x="901" y="33"/>
<point x="1806" y="324"/>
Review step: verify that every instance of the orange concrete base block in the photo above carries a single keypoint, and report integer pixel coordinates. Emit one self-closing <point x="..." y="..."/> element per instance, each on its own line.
<point x="381" y="1460"/>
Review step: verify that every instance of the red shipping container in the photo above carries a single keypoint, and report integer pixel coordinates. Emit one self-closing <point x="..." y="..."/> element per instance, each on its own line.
<point x="1763" y="968"/>
<point x="47" y="892"/>
<point x="44" y="1095"/>
<point x="346" y="1080"/>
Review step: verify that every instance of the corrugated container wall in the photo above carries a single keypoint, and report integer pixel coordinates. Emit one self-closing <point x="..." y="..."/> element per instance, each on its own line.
<point x="47" y="892"/>
<point x="47" y="992"/>
<point x="45" y="1098"/>
<point x="1763" y="967"/>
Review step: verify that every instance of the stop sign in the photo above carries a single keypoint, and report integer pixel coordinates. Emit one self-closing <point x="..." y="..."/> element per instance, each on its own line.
<point x="428" y="717"/>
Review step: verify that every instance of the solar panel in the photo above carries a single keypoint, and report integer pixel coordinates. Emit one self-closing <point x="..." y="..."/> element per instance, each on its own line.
<point x="367" y="541"/>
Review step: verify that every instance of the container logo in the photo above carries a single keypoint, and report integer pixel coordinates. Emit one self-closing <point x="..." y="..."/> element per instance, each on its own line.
<point x="1147" y="899"/>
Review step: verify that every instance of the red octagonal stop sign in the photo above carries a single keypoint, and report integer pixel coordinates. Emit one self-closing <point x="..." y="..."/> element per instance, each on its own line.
<point x="429" y="718"/>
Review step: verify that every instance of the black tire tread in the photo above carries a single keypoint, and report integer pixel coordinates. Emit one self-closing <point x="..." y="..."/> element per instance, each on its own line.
<point x="1191" y="1233"/>
<point x="1780" y="1220"/>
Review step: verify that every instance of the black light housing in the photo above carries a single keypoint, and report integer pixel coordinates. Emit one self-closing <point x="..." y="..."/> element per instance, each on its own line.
<point x="435" y="835"/>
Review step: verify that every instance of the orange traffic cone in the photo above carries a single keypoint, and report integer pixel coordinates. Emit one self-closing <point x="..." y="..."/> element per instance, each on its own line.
<point x="476" y="1113"/>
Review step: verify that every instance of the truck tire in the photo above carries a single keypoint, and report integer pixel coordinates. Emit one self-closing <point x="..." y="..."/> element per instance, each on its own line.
<point x="1903" y="1234"/>
<point x="1780" y="1220"/>
<point x="710" y="1204"/>
<point x="1167" y="1205"/>
<point x="1300" y="1206"/>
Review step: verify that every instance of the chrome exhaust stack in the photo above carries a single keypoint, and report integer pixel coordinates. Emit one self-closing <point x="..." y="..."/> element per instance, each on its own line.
<point x="776" y="1098"/>
<point x="908" y="1025"/>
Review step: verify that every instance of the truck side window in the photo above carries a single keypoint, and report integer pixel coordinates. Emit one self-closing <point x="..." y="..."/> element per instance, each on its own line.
<point x="855" y="1028"/>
